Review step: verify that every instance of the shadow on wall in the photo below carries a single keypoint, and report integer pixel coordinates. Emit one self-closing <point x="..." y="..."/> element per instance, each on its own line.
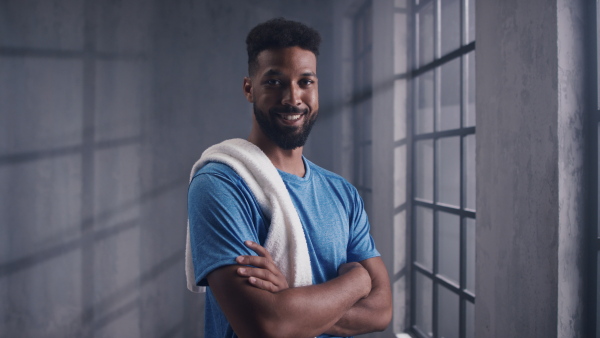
<point x="93" y="219"/>
<point x="104" y="107"/>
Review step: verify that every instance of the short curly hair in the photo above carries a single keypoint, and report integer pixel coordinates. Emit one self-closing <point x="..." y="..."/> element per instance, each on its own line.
<point x="280" y="33"/>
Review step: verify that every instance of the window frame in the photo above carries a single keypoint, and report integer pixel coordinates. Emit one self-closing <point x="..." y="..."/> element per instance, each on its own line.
<point x="464" y="50"/>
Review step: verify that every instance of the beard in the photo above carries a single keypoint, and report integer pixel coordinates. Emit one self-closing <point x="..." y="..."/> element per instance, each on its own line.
<point x="285" y="137"/>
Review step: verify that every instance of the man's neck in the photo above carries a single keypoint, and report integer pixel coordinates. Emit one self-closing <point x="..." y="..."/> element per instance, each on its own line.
<point x="289" y="161"/>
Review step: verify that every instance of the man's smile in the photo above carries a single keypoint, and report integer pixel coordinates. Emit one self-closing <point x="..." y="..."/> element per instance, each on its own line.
<point x="291" y="119"/>
<point x="290" y="116"/>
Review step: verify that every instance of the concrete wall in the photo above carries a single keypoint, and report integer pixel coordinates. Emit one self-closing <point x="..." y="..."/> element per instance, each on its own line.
<point x="532" y="104"/>
<point x="104" y="106"/>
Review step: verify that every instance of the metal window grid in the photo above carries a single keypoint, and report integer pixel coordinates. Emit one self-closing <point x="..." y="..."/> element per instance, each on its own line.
<point x="459" y="287"/>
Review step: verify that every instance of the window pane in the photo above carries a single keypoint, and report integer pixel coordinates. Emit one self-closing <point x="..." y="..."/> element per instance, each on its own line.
<point x="470" y="324"/>
<point x="424" y="303"/>
<point x="424" y="116"/>
<point x="450" y="29"/>
<point x="400" y="179"/>
<point x="447" y="311"/>
<point x="426" y="33"/>
<point x="470" y="268"/>
<point x="469" y="85"/>
<point x="424" y="236"/>
<point x="424" y="170"/>
<point x="449" y="245"/>
<point x="470" y="21"/>
<point x="449" y="114"/>
<point x="400" y="111"/>
<point x="401" y="42"/>
<point x="448" y="173"/>
<point x="469" y="174"/>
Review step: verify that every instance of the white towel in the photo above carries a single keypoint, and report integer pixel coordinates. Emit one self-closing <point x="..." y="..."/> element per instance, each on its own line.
<point x="285" y="240"/>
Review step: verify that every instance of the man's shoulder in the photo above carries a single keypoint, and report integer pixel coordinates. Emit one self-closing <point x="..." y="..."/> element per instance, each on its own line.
<point x="327" y="175"/>
<point x="219" y="170"/>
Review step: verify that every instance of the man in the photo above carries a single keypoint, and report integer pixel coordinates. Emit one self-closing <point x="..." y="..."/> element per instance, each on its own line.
<point x="247" y="295"/>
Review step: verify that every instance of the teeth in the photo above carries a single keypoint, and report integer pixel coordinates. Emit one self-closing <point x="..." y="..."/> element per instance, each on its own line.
<point x="291" y="117"/>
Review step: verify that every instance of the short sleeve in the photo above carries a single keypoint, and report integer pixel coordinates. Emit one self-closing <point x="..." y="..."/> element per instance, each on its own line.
<point x="222" y="214"/>
<point x="361" y="245"/>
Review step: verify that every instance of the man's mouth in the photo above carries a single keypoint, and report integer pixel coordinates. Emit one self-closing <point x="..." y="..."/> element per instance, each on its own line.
<point x="291" y="117"/>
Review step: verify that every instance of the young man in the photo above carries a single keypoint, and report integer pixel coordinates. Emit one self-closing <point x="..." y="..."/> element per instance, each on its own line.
<point x="248" y="296"/>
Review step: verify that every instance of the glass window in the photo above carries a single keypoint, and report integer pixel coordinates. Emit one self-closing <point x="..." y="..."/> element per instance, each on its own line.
<point x="424" y="102"/>
<point x="450" y="23"/>
<point x="449" y="246"/>
<point x="448" y="313"/>
<point x="426" y="33"/>
<point x="449" y="112"/>
<point x="424" y="237"/>
<point x="442" y="87"/>
<point x="423" y="303"/>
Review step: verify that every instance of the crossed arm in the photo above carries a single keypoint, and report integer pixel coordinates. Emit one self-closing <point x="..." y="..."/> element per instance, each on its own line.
<point x="258" y="302"/>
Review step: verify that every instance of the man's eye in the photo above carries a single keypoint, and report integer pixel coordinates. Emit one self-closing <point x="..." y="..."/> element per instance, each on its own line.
<point x="306" y="82"/>
<point x="273" y="82"/>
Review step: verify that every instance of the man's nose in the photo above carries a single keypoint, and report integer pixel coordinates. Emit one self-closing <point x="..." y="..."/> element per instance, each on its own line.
<point x="292" y="96"/>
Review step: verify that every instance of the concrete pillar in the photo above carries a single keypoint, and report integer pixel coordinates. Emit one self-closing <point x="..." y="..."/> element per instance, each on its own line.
<point x="532" y="106"/>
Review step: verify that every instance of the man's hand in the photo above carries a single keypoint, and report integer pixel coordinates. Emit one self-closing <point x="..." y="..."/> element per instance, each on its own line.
<point x="255" y="311"/>
<point x="371" y="313"/>
<point x="265" y="274"/>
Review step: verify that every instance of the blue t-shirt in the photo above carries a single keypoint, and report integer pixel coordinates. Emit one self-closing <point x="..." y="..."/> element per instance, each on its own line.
<point x="223" y="213"/>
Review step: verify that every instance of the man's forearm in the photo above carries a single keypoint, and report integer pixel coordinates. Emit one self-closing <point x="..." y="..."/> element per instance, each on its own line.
<point x="366" y="315"/>
<point x="294" y="312"/>
<point x="372" y="313"/>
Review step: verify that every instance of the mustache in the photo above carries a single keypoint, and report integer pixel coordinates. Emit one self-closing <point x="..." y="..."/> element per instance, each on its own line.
<point x="288" y="110"/>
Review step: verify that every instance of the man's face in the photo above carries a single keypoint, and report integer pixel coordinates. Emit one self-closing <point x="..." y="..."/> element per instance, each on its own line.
<point x="284" y="93"/>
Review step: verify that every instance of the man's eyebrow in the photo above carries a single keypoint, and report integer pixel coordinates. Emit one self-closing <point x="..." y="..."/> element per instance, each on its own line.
<point x="272" y="72"/>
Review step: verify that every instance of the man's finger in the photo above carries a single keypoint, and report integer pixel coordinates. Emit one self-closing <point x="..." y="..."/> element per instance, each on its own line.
<point x="259" y="249"/>
<point x="260" y="278"/>
<point x="262" y="284"/>
<point x="263" y="274"/>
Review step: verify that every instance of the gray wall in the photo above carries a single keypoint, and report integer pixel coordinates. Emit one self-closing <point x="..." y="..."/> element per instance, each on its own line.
<point x="104" y="107"/>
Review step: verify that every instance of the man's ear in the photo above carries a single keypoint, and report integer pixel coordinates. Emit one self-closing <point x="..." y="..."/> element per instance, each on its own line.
<point x="247" y="87"/>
